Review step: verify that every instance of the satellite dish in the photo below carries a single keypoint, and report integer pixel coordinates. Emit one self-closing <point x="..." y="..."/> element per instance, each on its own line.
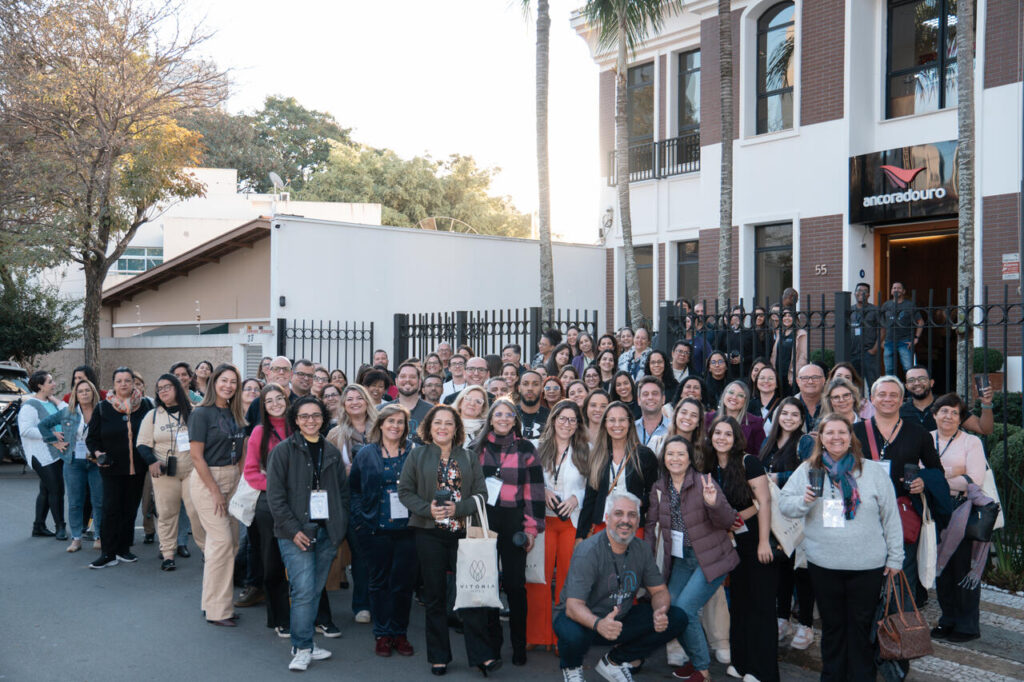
<point x="276" y="180"/>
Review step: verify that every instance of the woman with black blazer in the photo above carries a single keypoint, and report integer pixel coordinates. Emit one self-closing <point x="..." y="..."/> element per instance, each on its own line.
<point x="617" y="461"/>
<point x="442" y="468"/>
<point x="113" y="431"/>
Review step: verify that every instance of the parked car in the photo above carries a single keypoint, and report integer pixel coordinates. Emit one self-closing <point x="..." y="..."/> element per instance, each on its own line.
<point x="13" y="387"/>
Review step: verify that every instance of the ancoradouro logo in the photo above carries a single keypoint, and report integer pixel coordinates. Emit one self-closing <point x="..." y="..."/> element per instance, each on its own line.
<point x="901" y="179"/>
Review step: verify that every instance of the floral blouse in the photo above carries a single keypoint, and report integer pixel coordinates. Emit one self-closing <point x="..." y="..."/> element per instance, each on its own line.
<point x="449" y="477"/>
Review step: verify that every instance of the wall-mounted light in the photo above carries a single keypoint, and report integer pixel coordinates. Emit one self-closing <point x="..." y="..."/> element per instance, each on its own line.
<point x="281" y="301"/>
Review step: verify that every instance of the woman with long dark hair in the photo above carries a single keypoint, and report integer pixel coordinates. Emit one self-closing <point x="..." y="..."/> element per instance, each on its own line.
<point x="563" y="453"/>
<point x="687" y="421"/>
<point x="606" y="366"/>
<point x="624" y="391"/>
<point x="587" y="352"/>
<point x="765" y="394"/>
<point x="716" y="376"/>
<point x="591" y="378"/>
<point x="204" y="372"/>
<point x="617" y="461"/>
<point x="658" y="366"/>
<point x="561" y="357"/>
<point x="789" y="353"/>
<point x="594" y="406"/>
<point x="164" y="445"/>
<point x="753" y="584"/>
<point x="44" y="458"/>
<point x="273" y="428"/>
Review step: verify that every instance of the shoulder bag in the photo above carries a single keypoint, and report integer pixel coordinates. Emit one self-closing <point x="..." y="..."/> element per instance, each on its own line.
<point x="927" y="548"/>
<point x="902" y="635"/>
<point x="476" y="568"/>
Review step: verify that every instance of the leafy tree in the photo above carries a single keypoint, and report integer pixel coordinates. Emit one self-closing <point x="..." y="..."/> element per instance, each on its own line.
<point x="232" y="142"/>
<point x="34" y="318"/>
<point x="97" y="86"/>
<point x="300" y="137"/>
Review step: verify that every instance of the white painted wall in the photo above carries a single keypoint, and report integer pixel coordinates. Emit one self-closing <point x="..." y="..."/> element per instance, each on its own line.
<point x="343" y="271"/>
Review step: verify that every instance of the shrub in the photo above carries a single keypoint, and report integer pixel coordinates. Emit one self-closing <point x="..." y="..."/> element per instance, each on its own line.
<point x="825" y="356"/>
<point x="986" y="360"/>
<point x="1006" y="409"/>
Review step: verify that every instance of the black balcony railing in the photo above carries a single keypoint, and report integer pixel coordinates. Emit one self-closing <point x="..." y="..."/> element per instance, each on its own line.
<point x="653" y="160"/>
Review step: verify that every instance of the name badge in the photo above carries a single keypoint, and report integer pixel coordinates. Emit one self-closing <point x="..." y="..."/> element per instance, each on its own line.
<point x="318" y="505"/>
<point x="832" y="514"/>
<point x="741" y="529"/>
<point x="856" y="331"/>
<point x="493" y="489"/>
<point x="81" y="452"/>
<point x="677" y="543"/>
<point x="398" y="510"/>
<point x="182" y="442"/>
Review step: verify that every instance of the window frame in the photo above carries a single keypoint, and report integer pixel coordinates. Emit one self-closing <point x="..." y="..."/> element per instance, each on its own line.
<point x="682" y="261"/>
<point x="630" y="89"/>
<point x="645" y="292"/>
<point x="761" y="69"/>
<point x="146" y="257"/>
<point x="941" y="64"/>
<point x="759" y="250"/>
<point x="682" y="75"/>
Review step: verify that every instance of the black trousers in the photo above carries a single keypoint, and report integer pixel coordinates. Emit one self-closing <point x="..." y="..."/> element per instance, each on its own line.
<point x="801" y="580"/>
<point x="437" y="550"/>
<point x="846" y="601"/>
<point x="960" y="606"/>
<point x="506" y="522"/>
<point x="121" y="497"/>
<point x="391" y="560"/>
<point x="50" y="498"/>
<point x="753" y="631"/>
<point x="275" y="583"/>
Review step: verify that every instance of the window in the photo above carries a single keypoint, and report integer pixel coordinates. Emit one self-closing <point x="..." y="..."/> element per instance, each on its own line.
<point x="775" y="68"/>
<point x="139" y="259"/>
<point x="689" y="92"/>
<point x="921" y="66"/>
<point x="773" y="261"/>
<point x="640" y="103"/>
<point x="687" y="272"/>
<point x="644" y="256"/>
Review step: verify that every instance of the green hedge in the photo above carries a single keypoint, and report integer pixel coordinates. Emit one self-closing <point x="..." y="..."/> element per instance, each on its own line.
<point x="826" y="356"/>
<point x="986" y="359"/>
<point x="1008" y="409"/>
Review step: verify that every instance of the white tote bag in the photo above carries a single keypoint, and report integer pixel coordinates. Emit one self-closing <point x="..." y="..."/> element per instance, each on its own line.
<point x="789" y="532"/>
<point x="243" y="503"/>
<point x="535" y="562"/>
<point x="927" y="548"/>
<point x="476" y="570"/>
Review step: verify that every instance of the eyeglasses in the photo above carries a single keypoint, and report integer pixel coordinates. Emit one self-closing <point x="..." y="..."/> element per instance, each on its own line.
<point x="566" y="421"/>
<point x="247" y="389"/>
<point x="841" y="397"/>
<point x="278" y="369"/>
<point x="314" y="417"/>
<point x="319" y="380"/>
<point x="717" y="362"/>
<point x="303" y="375"/>
<point x="816" y="377"/>
<point x="476" y="369"/>
<point x="917" y="380"/>
<point x="164" y="387"/>
<point x="473" y="401"/>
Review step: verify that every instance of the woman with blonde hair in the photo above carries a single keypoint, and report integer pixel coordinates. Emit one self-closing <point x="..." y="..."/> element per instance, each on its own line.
<point x="472" y="405"/>
<point x="733" y="403"/>
<point x="842" y="397"/>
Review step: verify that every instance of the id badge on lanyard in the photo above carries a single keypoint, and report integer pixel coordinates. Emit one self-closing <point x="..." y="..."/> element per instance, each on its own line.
<point x="81" y="452"/>
<point x="398" y="510"/>
<point x="493" y="489"/>
<point x="318" y="505"/>
<point x="181" y="441"/>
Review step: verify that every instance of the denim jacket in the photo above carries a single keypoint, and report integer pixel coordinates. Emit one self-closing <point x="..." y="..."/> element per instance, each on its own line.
<point x="69" y="422"/>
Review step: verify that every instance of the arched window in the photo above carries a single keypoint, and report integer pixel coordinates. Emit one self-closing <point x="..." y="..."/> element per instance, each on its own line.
<point x="775" y="68"/>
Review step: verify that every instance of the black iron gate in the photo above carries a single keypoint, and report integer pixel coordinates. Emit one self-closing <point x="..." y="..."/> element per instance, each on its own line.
<point x="336" y="345"/>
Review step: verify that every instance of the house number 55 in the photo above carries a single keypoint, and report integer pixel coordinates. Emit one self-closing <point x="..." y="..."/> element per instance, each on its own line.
<point x="820" y="269"/>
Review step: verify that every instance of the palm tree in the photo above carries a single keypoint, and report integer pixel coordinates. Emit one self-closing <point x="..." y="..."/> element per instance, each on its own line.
<point x="623" y="25"/>
<point x="725" y="197"/>
<point x="547" y="276"/>
<point x="965" y="178"/>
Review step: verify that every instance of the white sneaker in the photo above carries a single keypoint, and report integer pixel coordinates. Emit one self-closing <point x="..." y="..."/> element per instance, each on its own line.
<point x="750" y="678"/>
<point x="300" y="659"/>
<point x="675" y="654"/>
<point x="732" y="672"/>
<point x="803" y="638"/>
<point x="573" y="675"/>
<point x="613" y="672"/>
<point x="785" y="628"/>
<point x="320" y="654"/>
<point x="363" y="617"/>
<point x="724" y="656"/>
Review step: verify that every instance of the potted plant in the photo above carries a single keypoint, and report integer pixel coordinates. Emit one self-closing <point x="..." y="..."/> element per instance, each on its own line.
<point x="989" y="361"/>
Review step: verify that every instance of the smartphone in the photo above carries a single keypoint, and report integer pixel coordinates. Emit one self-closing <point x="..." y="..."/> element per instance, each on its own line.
<point x="980" y="382"/>
<point x="442" y="496"/>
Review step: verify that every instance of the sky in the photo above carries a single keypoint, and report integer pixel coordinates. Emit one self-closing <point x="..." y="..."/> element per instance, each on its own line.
<point x="430" y="77"/>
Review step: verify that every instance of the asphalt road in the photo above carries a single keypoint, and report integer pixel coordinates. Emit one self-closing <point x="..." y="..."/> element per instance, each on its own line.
<point x="61" y="621"/>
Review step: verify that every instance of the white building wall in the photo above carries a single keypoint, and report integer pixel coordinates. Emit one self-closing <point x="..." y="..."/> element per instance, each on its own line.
<point x="343" y="271"/>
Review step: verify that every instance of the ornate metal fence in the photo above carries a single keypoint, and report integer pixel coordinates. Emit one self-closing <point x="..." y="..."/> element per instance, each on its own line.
<point x="336" y="345"/>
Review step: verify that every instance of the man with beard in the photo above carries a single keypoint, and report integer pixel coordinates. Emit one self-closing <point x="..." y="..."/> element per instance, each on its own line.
<point x="408" y="383"/>
<point x="533" y="415"/>
<point x="433" y="387"/>
<point x="918" y="406"/>
<point x="596" y="605"/>
<point x="864" y="325"/>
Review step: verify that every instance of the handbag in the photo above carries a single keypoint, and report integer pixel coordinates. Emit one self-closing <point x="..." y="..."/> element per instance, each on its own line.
<point x="927" y="548"/>
<point x="990" y="490"/>
<point x="535" y="562"/>
<point x="981" y="521"/>
<point x="476" y="566"/>
<point x="909" y="518"/>
<point x="243" y="503"/>
<point x="789" y="533"/>
<point x="902" y="635"/>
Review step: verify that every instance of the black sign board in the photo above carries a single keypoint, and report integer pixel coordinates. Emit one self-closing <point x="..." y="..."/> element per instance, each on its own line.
<point x="904" y="183"/>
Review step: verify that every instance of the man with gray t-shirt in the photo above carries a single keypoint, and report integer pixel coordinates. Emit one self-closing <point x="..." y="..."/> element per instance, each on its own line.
<point x="596" y="605"/>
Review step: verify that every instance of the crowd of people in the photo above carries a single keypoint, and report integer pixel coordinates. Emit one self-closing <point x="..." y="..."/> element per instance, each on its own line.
<point x="631" y="493"/>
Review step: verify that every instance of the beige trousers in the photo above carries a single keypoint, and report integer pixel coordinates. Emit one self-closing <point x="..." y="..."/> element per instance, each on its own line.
<point x="168" y="493"/>
<point x="715" y="619"/>
<point x="221" y="541"/>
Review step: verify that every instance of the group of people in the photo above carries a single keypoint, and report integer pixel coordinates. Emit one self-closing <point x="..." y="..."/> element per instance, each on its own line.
<point x="627" y="490"/>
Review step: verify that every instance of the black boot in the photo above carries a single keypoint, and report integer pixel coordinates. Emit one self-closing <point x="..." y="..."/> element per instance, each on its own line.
<point x="39" y="530"/>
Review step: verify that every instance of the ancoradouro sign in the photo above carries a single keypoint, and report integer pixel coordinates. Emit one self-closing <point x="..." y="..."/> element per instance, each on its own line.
<point x="904" y="183"/>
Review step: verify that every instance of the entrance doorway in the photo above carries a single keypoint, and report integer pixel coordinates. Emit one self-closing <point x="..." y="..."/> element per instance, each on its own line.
<point x="923" y="256"/>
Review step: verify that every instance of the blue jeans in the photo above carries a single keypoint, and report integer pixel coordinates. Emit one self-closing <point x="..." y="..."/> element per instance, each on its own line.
<point x="307" y="575"/>
<point x="637" y="639"/>
<point x="906" y="353"/>
<point x="77" y="472"/>
<point x="690" y="591"/>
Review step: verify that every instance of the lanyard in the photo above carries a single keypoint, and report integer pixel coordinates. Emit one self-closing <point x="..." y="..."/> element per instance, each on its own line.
<point x="560" y="462"/>
<point x="892" y="434"/>
<point x="948" y="443"/>
<point x="618" y="573"/>
<point x="318" y="466"/>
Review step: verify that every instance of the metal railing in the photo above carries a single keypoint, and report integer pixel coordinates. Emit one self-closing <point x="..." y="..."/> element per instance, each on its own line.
<point x="336" y="345"/>
<point x="653" y="160"/>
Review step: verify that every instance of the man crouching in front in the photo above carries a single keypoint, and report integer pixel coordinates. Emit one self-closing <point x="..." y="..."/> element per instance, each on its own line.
<point x="596" y="605"/>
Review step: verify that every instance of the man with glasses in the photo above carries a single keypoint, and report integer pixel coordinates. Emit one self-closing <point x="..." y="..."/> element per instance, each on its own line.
<point x="682" y="351"/>
<point x="433" y="387"/>
<point x="280" y="373"/>
<point x="457" y="368"/>
<point x="811" y="382"/>
<point x="918" y="405"/>
<point x="476" y="375"/>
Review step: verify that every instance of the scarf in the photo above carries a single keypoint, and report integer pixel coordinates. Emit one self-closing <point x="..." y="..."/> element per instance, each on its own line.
<point x="472" y="427"/>
<point x="126" y="406"/>
<point x="841" y="472"/>
<point x="953" y="535"/>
